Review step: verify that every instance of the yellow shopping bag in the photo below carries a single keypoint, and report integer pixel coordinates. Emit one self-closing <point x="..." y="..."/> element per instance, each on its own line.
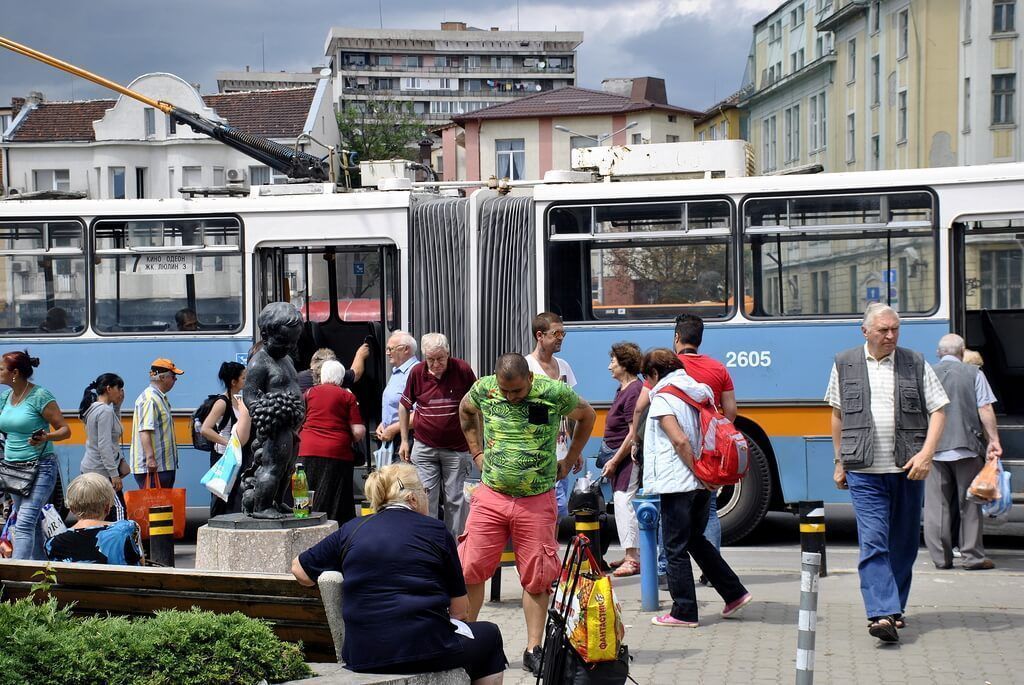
<point x="594" y="621"/>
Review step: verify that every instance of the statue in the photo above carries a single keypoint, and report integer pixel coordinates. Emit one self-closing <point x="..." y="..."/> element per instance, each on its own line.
<point x="274" y="400"/>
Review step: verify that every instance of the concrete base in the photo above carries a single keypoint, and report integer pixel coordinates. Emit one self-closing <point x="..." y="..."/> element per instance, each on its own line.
<point x="255" y="551"/>
<point x="336" y="674"/>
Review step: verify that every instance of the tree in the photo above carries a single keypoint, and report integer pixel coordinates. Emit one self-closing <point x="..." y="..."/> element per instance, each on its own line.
<point x="381" y="129"/>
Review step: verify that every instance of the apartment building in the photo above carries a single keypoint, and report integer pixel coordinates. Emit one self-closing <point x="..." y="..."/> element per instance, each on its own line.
<point x="455" y="70"/>
<point x="246" y="80"/>
<point x="724" y="120"/>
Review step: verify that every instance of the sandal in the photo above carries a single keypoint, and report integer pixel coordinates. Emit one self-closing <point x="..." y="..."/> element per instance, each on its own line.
<point x="629" y="567"/>
<point x="898" y="620"/>
<point x="618" y="563"/>
<point x="884" y="629"/>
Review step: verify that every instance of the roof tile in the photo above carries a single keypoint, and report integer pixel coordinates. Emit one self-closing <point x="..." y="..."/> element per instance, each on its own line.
<point x="567" y="102"/>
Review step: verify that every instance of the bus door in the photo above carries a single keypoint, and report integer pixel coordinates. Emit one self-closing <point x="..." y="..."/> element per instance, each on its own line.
<point x="988" y="310"/>
<point x="348" y="295"/>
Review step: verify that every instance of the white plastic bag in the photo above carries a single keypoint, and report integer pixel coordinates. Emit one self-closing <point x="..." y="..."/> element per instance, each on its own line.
<point x="383" y="455"/>
<point x="220" y="479"/>
<point x="999" y="509"/>
<point x="52" y="523"/>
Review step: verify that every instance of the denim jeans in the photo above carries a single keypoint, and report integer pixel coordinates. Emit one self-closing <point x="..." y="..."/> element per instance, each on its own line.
<point x="887" y="507"/>
<point x="28" y="533"/>
<point x="713" y="532"/>
<point x="562" y="497"/>
<point x="684" y="516"/>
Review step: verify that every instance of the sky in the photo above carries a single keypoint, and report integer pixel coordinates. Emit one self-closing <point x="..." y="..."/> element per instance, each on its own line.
<point x="698" y="46"/>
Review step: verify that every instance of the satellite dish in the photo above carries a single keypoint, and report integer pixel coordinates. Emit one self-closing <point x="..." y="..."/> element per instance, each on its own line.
<point x="541" y="64"/>
<point x="537" y="88"/>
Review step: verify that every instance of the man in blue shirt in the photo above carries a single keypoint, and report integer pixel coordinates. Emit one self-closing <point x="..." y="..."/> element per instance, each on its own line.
<point x="401" y="352"/>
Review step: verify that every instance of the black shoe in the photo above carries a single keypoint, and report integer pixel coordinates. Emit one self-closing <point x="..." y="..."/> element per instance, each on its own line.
<point x="531" y="661"/>
<point x="947" y="565"/>
<point x="703" y="580"/>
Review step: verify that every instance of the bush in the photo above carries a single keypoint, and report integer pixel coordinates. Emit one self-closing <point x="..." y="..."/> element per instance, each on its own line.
<point x="43" y="643"/>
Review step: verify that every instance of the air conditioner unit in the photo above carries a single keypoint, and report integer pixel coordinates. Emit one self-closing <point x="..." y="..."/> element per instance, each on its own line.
<point x="19" y="267"/>
<point x="236" y="176"/>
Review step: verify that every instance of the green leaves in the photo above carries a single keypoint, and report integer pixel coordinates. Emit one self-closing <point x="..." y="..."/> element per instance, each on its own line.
<point x="46" y="644"/>
<point x="381" y="128"/>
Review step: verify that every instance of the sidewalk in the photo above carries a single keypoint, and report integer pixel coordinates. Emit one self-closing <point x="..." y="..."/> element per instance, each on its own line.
<point x="963" y="627"/>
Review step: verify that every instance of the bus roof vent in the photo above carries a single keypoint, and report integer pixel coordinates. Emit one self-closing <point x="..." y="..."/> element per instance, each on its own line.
<point x="565" y="176"/>
<point x="708" y="159"/>
<point x="394" y="184"/>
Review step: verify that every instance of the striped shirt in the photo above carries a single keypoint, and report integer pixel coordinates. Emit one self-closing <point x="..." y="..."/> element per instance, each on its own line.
<point x="153" y="413"/>
<point x="882" y="384"/>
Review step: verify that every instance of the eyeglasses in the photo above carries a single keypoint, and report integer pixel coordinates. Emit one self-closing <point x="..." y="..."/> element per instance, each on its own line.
<point x="556" y="334"/>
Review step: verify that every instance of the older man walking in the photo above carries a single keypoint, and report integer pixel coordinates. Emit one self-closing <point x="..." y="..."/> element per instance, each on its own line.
<point x="958" y="458"/>
<point x="887" y="417"/>
<point x="520" y="412"/>
<point x="401" y="351"/>
<point x="440" y="455"/>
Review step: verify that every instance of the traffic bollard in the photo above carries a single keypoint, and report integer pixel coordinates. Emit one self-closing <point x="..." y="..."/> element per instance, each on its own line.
<point x="810" y="563"/>
<point x="648" y="515"/>
<point x="812" y="530"/>
<point x="365" y="509"/>
<point x="161" y="535"/>
<point x="508" y="558"/>
<point x="589" y="525"/>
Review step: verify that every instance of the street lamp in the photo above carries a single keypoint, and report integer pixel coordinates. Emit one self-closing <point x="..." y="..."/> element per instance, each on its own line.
<point x="600" y="138"/>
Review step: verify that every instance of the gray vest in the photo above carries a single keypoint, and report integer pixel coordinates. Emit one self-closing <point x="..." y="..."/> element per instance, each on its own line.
<point x="963" y="425"/>
<point x="858" y="437"/>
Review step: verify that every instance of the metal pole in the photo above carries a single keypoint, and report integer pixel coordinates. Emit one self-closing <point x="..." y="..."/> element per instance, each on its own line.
<point x="810" y="563"/>
<point x="812" y="530"/>
<point x="161" y="535"/>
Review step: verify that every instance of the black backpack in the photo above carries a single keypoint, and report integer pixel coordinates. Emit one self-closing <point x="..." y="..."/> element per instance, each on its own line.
<point x="199" y="441"/>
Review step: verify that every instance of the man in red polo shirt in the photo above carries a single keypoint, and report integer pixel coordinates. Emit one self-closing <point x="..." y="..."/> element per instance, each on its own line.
<point x="435" y="388"/>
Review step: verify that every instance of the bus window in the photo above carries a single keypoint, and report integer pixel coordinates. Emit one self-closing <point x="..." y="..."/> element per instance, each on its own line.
<point x="994" y="264"/>
<point x="42" y="291"/>
<point x="831" y="256"/>
<point x="168" y="276"/>
<point x="640" y="261"/>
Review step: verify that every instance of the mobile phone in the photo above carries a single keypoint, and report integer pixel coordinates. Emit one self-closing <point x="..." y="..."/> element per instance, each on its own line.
<point x="36" y="435"/>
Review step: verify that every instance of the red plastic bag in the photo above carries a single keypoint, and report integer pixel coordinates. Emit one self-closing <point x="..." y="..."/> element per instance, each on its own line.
<point x="138" y="502"/>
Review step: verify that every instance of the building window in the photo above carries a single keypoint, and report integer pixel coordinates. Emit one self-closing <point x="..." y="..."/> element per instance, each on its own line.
<point x="876" y="12"/>
<point x="1003" y="20"/>
<point x="903" y="37"/>
<point x="768" y="133"/>
<point x="637" y="138"/>
<point x="510" y="159"/>
<point x="820" y="291"/>
<point x="851" y="138"/>
<point x="577" y="142"/>
<point x="117" y="182"/>
<point x="411" y="61"/>
<point x="796" y="17"/>
<point x="816" y="129"/>
<point x="723" y="130"/>
<point x="140" y="182"/>
<point x="192" y="176"/>
<point x="411" y="84"/>
<point x="672" y="118"/>
<point x="901" y="117"/>
<point x="876" y="152"/>
<point x="473" y="62"/>
<point x="1003" y="87"/>
<point x="796" y="60"/>
<point x="700" y="136"/>
<point x="219" y="180"/>
<point x="967" y="20"/>
<point x="51" y="179"/>
<point x="384" y="60"/>
<point x="441" y="61"/>
<point x="967" y="105"/>
<point x="263" y="176"/>
<point x="671" y="138"/>
<point x="851" y="60"/>
<point x="506" y="63"/>
<point x="791" y="139"/>
<point x="1001" y="279"/>
<point x="149" y="117"/>
<point x="876" y="80"/>
<point x="172" y="126"/>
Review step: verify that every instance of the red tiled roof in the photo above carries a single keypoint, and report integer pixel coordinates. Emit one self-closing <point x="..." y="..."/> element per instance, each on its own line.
<point x="568" y="101"/>
<point x="272" y="113"/>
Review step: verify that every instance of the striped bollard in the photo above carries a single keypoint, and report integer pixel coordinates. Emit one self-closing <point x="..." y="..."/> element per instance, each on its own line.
<point x="809" y="566"/>
<point x="508" y="558"/>
<point x="161" y="535"/>
<point x="812" y="530"/>
<point x="365" y="509"/>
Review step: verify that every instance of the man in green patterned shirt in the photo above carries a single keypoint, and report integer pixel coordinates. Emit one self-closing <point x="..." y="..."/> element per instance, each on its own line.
<point x="520" y="415"/>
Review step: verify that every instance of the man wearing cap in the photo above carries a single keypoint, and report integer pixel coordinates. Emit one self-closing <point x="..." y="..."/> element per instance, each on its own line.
<point x="153" y="447"/>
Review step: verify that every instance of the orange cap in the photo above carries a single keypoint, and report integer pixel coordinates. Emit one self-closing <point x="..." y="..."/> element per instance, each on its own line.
<point x="166" y="365"/>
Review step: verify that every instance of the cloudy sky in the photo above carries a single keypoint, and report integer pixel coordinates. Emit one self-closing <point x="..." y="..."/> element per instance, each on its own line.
<point x="698" y="46"/>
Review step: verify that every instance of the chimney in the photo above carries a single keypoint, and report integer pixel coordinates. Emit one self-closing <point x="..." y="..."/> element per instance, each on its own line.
<point x="16" y="105"/>
<point x="649" y="89"/>
<point x="495" y="28"/>
<point x="453" y="26"/>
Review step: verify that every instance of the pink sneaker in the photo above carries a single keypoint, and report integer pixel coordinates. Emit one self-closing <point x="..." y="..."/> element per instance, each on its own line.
<point x="671" y="622"/>
<point x="734" y="607"/>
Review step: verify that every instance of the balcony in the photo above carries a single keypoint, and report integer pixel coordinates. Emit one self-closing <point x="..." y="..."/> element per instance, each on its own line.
<point x="464" y="94"/>
<point x="482" y="69"/>
<point x="842" y="12"/>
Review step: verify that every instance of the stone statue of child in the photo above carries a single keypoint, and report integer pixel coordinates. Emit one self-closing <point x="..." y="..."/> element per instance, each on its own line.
<point x="274" y="400"/>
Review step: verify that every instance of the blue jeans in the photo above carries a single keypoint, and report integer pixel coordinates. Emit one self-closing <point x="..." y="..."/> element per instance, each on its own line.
<point x="713" y="533"/>
<point x="28" y="533"/>
<point x="888" y="511"/>
<point x="562" y="497"/>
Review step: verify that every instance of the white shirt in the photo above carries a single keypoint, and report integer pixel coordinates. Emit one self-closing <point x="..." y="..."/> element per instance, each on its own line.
<point x="565" y="375"/>
<point x="984" y="396"/>
<point x="882" y="383"/>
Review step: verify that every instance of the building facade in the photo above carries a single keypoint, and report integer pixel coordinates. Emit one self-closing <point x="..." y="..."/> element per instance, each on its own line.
<point x="453" y="71"/>
<point x="722" y="121"/>
<point x="241" y="81"/>
<point x="125" y="149"/>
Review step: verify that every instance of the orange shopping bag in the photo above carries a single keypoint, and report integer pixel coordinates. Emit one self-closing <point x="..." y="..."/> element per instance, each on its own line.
<point x="138" y="503"/>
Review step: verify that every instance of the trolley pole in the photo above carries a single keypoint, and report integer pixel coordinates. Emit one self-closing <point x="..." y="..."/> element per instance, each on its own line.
<point x="810" y="563"/>
<point x="812" y="530"/>
<point x="161" y="535"/>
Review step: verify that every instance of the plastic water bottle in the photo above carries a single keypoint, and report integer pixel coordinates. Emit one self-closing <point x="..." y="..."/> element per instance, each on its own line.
<point x="300" y="493"/>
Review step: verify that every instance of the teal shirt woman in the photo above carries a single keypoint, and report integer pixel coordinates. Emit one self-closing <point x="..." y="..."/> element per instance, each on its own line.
<point x="28" y="412"/>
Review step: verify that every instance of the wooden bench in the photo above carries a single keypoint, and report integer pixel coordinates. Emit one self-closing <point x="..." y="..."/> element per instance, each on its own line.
<point x="295" y="613"/>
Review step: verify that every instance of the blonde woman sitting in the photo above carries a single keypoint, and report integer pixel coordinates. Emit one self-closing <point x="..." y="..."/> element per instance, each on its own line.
<point x="403" y="582"/>
<point x="93" y="540"/>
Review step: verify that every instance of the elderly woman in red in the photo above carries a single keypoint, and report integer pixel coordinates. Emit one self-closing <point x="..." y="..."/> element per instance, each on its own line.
<point x="333" y="425"/>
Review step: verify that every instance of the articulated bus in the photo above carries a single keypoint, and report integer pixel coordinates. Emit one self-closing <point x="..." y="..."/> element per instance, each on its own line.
<point x="781" y="269"/>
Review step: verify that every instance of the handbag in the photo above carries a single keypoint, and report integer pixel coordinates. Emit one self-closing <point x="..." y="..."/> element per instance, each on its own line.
<point x="138" y="503"/>
<point x="221" y="478"/>
<point x="18" y="477"/>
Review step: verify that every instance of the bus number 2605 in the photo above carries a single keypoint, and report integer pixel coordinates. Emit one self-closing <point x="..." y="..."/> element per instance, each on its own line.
<point x="752" y="358"/>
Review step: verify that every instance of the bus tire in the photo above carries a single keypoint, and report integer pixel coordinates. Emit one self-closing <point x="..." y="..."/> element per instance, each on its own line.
<point x="743" y="506"/>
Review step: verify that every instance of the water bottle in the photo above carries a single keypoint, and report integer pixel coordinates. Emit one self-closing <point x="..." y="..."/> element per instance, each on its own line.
<point x="300" y="493"/>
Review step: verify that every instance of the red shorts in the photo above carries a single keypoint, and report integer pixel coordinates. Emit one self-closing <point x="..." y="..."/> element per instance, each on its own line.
<point x="529" y="521"/>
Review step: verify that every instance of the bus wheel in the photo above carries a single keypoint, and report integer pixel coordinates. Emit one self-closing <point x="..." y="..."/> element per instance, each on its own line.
<point x="744" y="505"/>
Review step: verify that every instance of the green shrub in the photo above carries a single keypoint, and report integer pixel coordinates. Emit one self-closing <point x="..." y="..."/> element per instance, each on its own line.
<point x="46" y="644"/>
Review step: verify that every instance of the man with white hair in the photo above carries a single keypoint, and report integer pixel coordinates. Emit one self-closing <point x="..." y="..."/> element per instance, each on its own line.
<point x="441" y="455"/>
<point x="887" y="417"/>
<point x="958" y="459"/>
<point x="401" y="351"/>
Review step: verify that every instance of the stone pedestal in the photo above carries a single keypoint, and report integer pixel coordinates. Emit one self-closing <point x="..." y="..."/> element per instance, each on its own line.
<point x="249" y="545"/>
